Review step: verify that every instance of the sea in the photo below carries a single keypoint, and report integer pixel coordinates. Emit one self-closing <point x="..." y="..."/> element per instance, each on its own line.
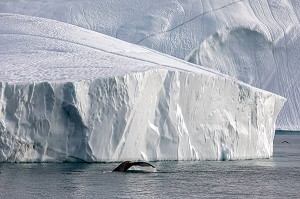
<point x="278" y="177"/>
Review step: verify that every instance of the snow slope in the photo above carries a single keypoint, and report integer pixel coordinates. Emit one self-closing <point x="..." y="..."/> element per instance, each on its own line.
<point x="71" y="94"/>
<point x="256" y="41"/>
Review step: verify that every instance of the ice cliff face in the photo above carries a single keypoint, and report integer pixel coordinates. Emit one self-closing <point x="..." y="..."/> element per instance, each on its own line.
<point x="152" y="115"/>
<point x="71" y="94"/>
<point x="256" y="41"/>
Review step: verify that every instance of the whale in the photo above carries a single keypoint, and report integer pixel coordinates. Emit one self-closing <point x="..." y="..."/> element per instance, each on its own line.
<point x="124" y="166"/>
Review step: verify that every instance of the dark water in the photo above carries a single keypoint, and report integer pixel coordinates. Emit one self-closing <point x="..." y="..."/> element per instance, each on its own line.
<point x="278" y="177"/>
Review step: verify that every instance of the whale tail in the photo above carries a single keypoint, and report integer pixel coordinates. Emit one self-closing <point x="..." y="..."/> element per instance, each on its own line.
<point x="124" y="166"/>
<point x="285" y="141"/>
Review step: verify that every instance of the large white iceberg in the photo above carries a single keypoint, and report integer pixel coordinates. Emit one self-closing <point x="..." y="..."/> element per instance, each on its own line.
<point x="256" y="41"/>
<point x="71" y="94"/>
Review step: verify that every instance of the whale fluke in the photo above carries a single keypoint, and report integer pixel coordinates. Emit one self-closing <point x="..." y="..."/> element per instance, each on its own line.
<point x="124" y="166"/>
<point x="285" y="141"/>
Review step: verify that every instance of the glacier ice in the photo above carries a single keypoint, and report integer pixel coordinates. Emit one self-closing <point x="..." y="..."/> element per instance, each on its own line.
<point x="250" y="56"/>
<point x="71" y="94"/>
<point x="179" y="27"/>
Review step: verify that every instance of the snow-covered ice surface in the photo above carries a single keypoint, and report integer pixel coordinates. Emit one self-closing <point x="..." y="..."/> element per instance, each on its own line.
<point x="72" y="94"/>
<point x="256" y="41"/>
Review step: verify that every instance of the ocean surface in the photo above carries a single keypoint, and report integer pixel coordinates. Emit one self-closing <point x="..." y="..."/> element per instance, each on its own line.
<point x="278" y="177"/>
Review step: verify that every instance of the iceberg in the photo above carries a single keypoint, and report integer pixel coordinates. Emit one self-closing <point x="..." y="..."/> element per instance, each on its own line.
<point x="72" y="94"/>
<point x="181" y="28"/>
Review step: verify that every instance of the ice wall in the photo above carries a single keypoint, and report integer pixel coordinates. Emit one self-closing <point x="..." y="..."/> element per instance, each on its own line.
<point x="153" y="115"/>
<point x="71" y="94"/>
